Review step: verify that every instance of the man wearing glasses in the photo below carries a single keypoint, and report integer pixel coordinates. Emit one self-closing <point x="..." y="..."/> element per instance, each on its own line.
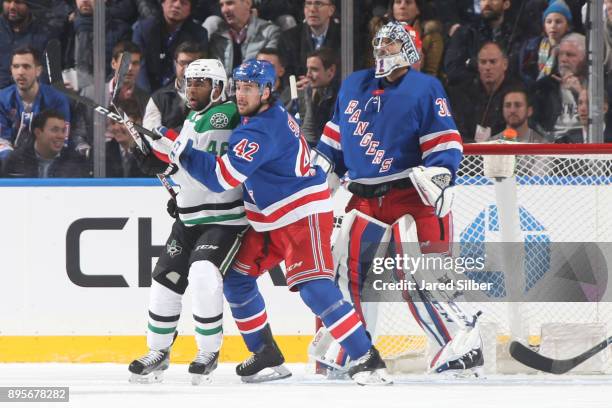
<point x="318" y="29"/>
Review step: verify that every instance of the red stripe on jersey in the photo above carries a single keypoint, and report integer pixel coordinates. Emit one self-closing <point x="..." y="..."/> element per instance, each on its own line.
<point x="443" y="138"/>
<point x="253" y="323"/>
<point x="227" y="177"/>
<point x="287" y="208"/>
<point x="346" y="326"/>
<point x="171" y="134"/>
<point x="161" y="156"/>
<point x="331" y="133"/>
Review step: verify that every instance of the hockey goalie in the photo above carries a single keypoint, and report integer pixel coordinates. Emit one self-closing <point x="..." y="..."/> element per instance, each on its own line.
<point x="394" y="144"/>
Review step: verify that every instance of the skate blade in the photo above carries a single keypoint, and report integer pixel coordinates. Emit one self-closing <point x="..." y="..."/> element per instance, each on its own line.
<point x="278" y="373"/>
<point x="376" y="377"/>
<point x="198" y="379"/>
<point x="151" y="378"/>
<point x="476" y="372"/>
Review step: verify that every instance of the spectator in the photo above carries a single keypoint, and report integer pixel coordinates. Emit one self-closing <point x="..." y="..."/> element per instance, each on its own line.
<point x="430" y="33"/>
<point x="240" y="35"/>
<point x="460" y="58"/>
<point x="476" y="103"/>
<point x="284" y="13"/>
<point x="318" y="29"/>
<point x="318" y="97"/>
<point x="167" y="106"/>
<point x="538" y="55"/>
<point x="120" y="160"/>
<point x="18" y="29"/>
<point x="79" y="46"/>
<point x="129" y="91"/>
<point x="45" y="155"/>
<point x="21" y="102"/>
<point x="555" y="97"/>
<point x="281" y="87"/>
<point x="583" y="113"/>
<point x="159" y="37"/>
<point x="516" y="110"/>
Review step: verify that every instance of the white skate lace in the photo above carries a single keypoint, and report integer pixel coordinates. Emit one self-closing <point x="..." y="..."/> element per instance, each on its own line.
<point x="152" y="357"/>
<point x="204" y="357"/>
<point x="249" y="361"/>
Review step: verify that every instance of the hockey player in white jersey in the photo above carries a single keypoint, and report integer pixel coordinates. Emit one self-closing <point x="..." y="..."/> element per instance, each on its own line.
<point x="393" y="140"/>
<point x="204" y="237"/>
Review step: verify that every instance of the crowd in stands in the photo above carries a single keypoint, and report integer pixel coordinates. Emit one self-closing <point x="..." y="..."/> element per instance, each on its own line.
<point x="504" y="63"/>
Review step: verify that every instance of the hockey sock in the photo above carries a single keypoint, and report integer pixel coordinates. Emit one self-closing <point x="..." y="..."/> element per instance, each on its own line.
<point x="248" y="308"/>
<point x="164" y="313"/>
<point x="207" y="291"/>
<point x="325" y="300"/>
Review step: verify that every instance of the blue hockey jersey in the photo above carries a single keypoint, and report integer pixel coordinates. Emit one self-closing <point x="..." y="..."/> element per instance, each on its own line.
<point x="269" y="154"/>
<point x="379" y="130"/>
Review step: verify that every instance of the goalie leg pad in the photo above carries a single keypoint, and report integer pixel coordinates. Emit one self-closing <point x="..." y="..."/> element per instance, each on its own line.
<point x="248" y="308"/>
<point x="361" y="238"/>
<point x="207" y="292"/>
<point x="325" y="300"/>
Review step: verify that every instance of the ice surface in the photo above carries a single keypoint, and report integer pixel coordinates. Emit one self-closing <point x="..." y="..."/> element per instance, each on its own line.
<point x="106" y="386"/>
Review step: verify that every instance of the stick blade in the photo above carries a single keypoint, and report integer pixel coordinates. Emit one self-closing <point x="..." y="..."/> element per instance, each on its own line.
<point x="530" y="358"/>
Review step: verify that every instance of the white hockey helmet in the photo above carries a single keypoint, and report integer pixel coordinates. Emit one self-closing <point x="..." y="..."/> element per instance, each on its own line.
<point x="209" y="69"/>
<point x="408" y="54"/>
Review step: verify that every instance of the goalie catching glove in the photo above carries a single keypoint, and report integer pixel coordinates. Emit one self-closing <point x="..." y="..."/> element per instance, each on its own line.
<point x="433" y="186"/>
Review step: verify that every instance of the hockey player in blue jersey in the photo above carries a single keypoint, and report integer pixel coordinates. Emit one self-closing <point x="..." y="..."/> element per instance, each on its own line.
<point x="288" y="204"/>
<point x="393" y="141"/>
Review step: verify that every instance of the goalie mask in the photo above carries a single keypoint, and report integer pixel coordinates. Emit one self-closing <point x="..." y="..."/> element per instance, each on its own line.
<point x="394" y="47"/>
<point x="212" y="69"/>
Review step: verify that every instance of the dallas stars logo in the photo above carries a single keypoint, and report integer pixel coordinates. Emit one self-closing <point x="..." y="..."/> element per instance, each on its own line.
<point x="219" y="120"/>
<point x="173" y="249"/>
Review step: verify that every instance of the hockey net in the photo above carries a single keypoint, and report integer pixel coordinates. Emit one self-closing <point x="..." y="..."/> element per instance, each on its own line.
<point x="521" y="193"/>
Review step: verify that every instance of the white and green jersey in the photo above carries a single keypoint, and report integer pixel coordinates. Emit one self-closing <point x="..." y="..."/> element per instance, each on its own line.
<point x="210" y="131"/>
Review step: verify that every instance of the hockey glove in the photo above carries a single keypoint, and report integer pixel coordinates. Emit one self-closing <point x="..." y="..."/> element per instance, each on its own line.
<point x="161" y="131"/>
<point x="172" y="208"/>
<point x="149" y="164"/>
<point x="433" y="186"/>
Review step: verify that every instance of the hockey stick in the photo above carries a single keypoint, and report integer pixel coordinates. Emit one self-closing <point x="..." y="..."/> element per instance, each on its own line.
<point x="530" y="358"/>
<point x="124" y="66"/>
<point x="295" y="104"/>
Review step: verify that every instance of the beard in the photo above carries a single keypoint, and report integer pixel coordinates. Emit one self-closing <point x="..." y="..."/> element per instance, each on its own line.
<point x="491" y="15"/>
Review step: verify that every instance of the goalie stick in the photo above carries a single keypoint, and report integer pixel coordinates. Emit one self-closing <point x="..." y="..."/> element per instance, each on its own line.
<point x="533" y="359"/>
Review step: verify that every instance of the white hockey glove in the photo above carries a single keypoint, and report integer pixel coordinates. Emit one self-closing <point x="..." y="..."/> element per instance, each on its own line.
<point x="319" y="159"/>
<point x="433" y="186"/>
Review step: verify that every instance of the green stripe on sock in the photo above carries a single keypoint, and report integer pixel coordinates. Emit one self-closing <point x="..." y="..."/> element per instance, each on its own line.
<point x="160" y="330"/>
<point x="209" y="332"/>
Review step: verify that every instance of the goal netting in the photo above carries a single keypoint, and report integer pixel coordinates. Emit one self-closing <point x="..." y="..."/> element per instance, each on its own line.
<point x="519" y="193"/>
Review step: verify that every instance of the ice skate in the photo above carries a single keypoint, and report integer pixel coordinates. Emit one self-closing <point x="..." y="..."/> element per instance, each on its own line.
<point x="202" y="367"/>
<point x="269" y="357"/>
<point x="370" y="370"/>
<point x="461" y="357"/>
<point x="150" y="368"/>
